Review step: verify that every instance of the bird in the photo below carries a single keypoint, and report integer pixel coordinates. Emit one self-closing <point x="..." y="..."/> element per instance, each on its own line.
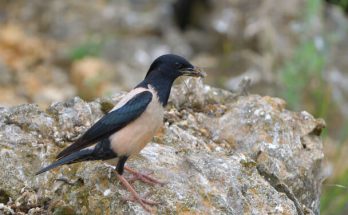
<point x="126" y="129"/>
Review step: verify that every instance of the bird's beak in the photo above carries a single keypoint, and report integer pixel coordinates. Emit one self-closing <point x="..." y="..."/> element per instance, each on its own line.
<point x="195" y="72"/>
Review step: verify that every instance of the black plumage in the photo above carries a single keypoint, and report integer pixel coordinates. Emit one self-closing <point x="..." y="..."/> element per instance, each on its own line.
<point x="101" y="151"/>
<point x="111" y="123"/>
<point x="127" y="128"/>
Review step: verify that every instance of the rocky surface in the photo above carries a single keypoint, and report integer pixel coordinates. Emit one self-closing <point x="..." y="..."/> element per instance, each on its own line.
<point x="220" y="153"/>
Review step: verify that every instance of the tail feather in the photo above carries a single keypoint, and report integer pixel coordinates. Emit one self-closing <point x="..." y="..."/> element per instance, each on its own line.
<point x="78" y="156"/>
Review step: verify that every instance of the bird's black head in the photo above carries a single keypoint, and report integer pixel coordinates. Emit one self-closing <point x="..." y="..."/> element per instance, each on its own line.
<point x="172" y="66"/>
<point x="163" y="72"/>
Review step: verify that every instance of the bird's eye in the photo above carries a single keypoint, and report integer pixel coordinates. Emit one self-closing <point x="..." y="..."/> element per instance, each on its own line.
<point x="178" y="65"/>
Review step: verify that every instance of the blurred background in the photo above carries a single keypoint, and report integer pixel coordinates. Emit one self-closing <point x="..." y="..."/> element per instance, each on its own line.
<point x="296" y="50"/>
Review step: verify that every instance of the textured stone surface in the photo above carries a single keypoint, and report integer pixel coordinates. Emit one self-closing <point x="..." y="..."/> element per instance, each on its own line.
<point x="220" y="153"/>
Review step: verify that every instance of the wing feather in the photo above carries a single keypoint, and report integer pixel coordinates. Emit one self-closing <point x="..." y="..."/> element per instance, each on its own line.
<point x="110" y="123"/>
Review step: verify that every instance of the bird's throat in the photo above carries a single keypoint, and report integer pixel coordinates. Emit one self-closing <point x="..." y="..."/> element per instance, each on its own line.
<point x="161" y="86"/>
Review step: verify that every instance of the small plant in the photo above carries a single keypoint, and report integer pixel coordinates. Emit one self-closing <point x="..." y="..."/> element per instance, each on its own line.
<point x="336" y="196"/>
<point x="85" y="49"/>
<point x="341" y="3"/>
<point x="303" y="82"/>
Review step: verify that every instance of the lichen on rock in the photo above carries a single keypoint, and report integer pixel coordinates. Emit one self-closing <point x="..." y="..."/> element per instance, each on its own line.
<point x="220" y="153"/>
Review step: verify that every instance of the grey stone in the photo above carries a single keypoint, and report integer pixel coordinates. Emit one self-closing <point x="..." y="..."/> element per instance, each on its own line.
<point x="219" y="153"/>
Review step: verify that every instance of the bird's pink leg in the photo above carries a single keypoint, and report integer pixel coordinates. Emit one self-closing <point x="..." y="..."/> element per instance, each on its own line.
<point x="136" y="198"/>
<point x="143" y="177"/>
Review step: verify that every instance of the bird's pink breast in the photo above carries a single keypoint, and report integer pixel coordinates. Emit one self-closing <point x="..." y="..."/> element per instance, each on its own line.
<point x="133" y="138"/>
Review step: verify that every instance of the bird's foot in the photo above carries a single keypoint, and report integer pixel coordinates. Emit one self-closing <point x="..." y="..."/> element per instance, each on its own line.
<point x="143" y="177"/>
<point x="135" y="196"/>
<point x="140" y="200"/>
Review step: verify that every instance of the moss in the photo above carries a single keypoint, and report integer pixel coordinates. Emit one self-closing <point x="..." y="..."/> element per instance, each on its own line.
<point x="248" y="163"/>
<point x="4" y="196"/>
<point x="64" y="210"/>
<point x="81" y="194"/>
<point x="185" y="207"/>
<point x="106" y="106"/>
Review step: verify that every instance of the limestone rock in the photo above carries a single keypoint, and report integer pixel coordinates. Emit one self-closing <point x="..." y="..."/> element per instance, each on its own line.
<point x="219" y="153"/>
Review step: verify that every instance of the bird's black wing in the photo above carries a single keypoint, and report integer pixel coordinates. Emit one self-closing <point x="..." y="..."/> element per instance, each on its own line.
<point x="110" y="123"/>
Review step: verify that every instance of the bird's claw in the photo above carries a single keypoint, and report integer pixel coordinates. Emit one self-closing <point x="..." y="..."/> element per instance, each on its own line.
<point x="143" y="177"/>
<point x="142" y="201"/>
<point x="135" y="196"/>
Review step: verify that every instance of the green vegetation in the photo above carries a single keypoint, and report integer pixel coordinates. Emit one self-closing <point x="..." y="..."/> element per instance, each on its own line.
<point x="342" y="3"/>
<point x="312" y="10"/>
<point x="85" y="49"/>
<point x="304" y="87"/>
<point x="302" y="76"/>
<point x="335" y="198"/>
<point x="303" y="73"/>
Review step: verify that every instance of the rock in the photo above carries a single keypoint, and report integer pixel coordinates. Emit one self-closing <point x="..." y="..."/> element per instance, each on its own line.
<point x="6" y="75"/>
<point x="218" y="152"/>
<point x="91" y="77"/>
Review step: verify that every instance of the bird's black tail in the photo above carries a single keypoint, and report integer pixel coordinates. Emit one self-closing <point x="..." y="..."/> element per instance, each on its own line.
<point x="83" y="155"/>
